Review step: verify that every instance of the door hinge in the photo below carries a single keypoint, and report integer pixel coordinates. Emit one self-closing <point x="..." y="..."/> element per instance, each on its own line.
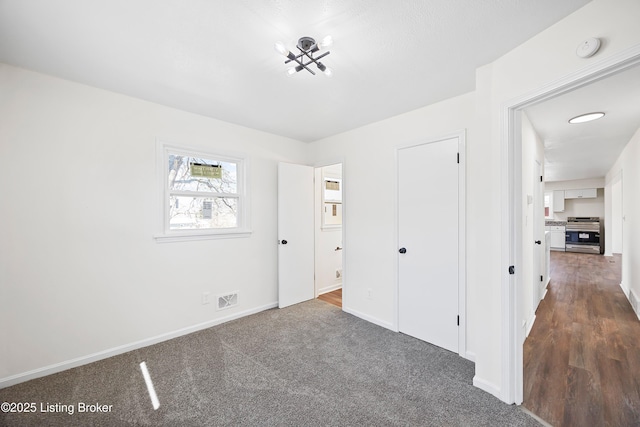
<point x="512" y="269"/>
<point x="458" y="157"/>
<point x="540" y="178"/>
<point x="541" y="279"/>
<point x="458" y="320"/>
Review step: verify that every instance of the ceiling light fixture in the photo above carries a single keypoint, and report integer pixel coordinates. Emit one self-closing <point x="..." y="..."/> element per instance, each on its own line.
<point x="307" y="47"/>
<point x="583" y="118"/>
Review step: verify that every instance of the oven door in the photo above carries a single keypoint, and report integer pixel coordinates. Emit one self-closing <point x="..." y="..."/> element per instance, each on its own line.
<point x="576" y="237"/>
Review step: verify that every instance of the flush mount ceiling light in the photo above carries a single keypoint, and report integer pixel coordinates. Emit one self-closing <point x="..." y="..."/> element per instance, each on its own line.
<point x="583" y="118"/>
<point x="307" y="47"/>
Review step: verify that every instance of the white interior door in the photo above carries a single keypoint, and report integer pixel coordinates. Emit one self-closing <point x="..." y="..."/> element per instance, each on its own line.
<point x="295" y="234"/>
<point x="538" y="235"/>
<point x="428" y="238"/>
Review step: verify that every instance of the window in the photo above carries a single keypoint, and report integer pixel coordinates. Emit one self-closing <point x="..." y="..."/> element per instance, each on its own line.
<point x="332" y="202"/>
<point x="204" y="195"/>
<point x="548" y="205"/>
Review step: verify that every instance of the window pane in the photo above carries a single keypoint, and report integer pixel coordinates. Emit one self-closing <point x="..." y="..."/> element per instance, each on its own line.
<point x="189" y="213"/>
<point x="197" y="174"/>
<point x="333" y="189"/>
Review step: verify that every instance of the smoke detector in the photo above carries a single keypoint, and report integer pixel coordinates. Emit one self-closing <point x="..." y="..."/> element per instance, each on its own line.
<point x="588" y="47"/>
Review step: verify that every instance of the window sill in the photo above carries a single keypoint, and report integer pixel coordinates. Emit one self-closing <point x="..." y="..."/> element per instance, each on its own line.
<point x="186" y="236"/>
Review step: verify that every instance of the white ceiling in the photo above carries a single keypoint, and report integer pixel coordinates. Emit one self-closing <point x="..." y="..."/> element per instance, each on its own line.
<point x="588" y="150"/>
<point x="216" y="57"/>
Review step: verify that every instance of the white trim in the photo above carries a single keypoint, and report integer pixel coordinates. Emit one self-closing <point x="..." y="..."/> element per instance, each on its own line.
<point x="511" y="194"/>
<point x="462" y="251"/>
<point x="470" y="355"/>
<point x="342" y="228"/>
<point x="487" y="386"/>
<point x="328" y="289"/>
<point x="636" y="309"/>
<point x="632" y="298"/>
<point x="393" y="251"/>
<point x="370" y="319"/>
<point x="462" y="243"/>
<point x="83" y="360"/>
<point x="530" y="323"/>
<point x="625" y="289"/>
<point x="185" y="236"/>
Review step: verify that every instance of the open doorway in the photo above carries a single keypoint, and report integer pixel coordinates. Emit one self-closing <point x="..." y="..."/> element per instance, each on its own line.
<point x="516" y="241"/>
<point x="328" y="233"/>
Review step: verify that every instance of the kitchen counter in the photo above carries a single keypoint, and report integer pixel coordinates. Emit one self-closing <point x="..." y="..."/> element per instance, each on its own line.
<point x="557" y="230"/>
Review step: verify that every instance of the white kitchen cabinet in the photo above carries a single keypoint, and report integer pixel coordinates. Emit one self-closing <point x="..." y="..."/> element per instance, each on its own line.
<point x="558" y="201"/>
<point x="557" y="237"/>
<point x="583" y="193"/>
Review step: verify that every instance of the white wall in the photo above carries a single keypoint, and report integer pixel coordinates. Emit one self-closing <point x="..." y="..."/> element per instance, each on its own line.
<point x="73" y="261"/>
<point x="627" y="164"/>
<point x="616" y="216"/>
<point x="369" y="162"/>
<point x="575" y="184"/>
<point x="80" y="272"/>
<point x="542" y="60"/>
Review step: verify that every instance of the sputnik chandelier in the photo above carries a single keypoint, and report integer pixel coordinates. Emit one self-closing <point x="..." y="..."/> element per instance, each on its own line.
<point x="307" y="47"/>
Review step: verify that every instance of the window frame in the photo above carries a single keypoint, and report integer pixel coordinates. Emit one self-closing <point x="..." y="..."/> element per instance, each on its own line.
<point x="243" y="227"/>
<point x="325" y="226"/>
<point x="550" y="195"/>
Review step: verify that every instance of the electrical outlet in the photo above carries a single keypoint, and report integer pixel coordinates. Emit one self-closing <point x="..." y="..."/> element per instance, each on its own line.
<point x="205" y="298"/>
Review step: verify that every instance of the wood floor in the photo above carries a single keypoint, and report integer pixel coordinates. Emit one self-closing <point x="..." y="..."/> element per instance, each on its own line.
<point x="582" y="357"/>
<point x="334" y="297"/>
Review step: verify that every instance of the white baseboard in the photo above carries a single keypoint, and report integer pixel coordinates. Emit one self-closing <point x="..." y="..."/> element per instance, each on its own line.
<point x="625" y="290"/>
<point x="633" y="300"/>
<point x="487" y="386"/>
<point x="368" y="318"/>
<point x="83" y="360"/>
<point x="471" y="356"/>
<point x="328" y="289"/>
<point x="530" y="323"/>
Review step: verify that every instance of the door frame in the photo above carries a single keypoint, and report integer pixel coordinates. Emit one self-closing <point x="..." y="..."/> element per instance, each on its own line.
<point x="345" y="291"/>
<point x="511" y="194"/>
<point x="462" y="263"/>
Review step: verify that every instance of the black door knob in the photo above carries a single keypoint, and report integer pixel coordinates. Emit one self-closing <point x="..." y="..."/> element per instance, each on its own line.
<point x="284" y="242"/>
<point x="538" y="242"/>
<point x="403" y="250"/>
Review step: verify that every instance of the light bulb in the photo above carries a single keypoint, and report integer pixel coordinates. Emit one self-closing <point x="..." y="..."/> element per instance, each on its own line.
<point x="291" y="71"/>
<point x="328" y="72"/>
<point x="279" y="47"/>
<point x="325" y="42"/>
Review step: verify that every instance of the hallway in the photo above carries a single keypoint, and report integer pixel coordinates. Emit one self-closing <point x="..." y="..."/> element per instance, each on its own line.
<point x="582" y="357"/>
<point x="334" y="297"/>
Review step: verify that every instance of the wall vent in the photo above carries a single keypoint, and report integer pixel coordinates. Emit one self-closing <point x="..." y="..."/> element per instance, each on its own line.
<point x="227" y="301"/>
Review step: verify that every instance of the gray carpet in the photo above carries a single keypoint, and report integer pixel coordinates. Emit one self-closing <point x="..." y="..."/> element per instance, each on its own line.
<point x="307" y="365"/>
